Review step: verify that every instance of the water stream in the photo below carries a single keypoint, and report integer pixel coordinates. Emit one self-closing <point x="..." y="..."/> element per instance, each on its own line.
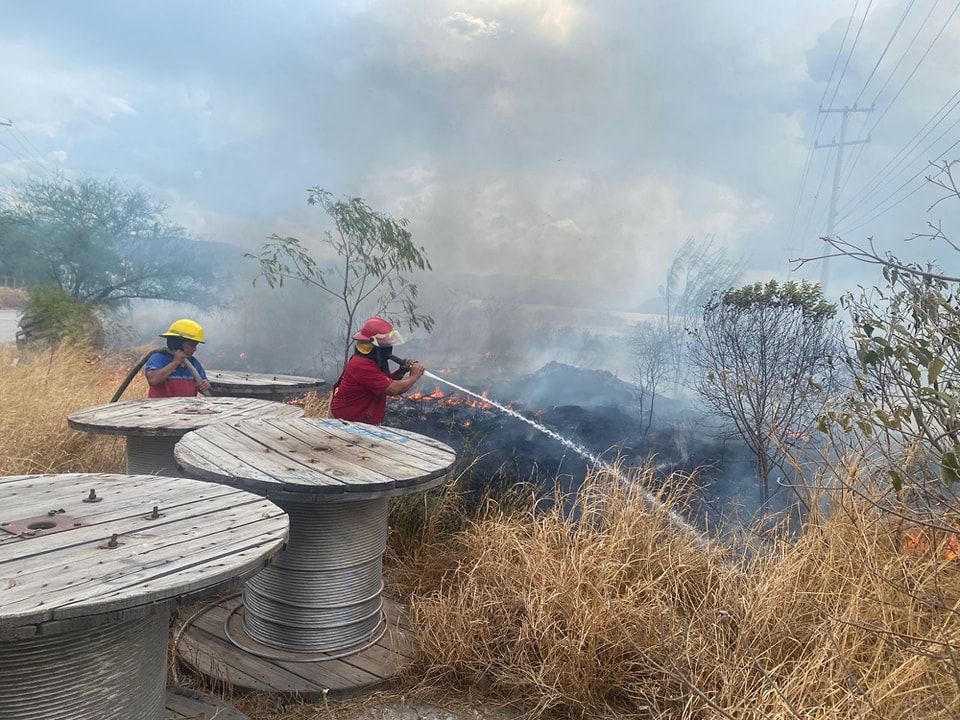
<point x="582" y="451"/>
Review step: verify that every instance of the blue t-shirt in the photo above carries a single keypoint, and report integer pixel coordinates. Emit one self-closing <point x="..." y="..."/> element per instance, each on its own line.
<point x="180" y="383"/>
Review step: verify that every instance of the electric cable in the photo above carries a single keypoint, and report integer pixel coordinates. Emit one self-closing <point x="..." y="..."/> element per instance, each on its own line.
<point x="24" y="139"/>
<point x="905" y="53"/>
<point x="866" y="195"/>
<point x="823" y="178"/>
<point x="859" y="151"/>
<point x="887" y="173"/>
<point x="887" y="207"/>
<point x="818" y="126"/>
<point x="26" y="150"/>
<point x="883" y="54"/>
<point x="917" y="66"/>
<point x="882" y="176"/>
<point x="853" y="47"/>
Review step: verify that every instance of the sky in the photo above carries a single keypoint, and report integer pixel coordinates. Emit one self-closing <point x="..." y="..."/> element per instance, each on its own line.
<point x="534" y="139"/>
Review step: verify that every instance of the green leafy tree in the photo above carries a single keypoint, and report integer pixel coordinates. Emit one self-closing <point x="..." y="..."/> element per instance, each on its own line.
<point x="376" y="257"/>
<point x="906" y="364"/>
<point x="765" y="358"/>
<point x="101" y="244"/>
<point x="905" y="358"/>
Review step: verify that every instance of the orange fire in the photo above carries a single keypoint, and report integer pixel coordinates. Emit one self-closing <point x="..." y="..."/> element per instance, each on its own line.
<point x="924" y="542"/>
<point x="439" y="398"/>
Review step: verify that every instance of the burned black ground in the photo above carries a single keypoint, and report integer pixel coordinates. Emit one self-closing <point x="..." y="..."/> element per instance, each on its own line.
<point x="598" y="420"/>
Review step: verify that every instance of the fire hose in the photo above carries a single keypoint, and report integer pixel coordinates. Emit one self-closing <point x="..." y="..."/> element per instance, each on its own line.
<point x="143" y="361"/>
<point x="405" y="364"/>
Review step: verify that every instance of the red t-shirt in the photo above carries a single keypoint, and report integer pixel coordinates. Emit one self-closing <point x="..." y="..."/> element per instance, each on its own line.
<point x="361" y="395"/>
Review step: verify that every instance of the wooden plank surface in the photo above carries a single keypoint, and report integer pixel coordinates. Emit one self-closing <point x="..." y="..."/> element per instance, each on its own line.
<point x="214" y="643"/>
<point x="188" y="704"/>
<point x="173" y="416"/>
<point x="314" y="457"/>
<point x="244" y="383"/>
<point x="205" y="537"/>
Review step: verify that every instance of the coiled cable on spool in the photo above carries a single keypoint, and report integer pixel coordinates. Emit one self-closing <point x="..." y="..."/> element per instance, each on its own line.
<point x="152" y="456"/>
<point x="108" y="671"/>
<point x="373" y="639"/>
<point x="323" y="591"/>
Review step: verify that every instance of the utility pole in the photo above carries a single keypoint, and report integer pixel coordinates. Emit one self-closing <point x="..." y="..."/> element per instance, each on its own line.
<point x="835" y="191"/>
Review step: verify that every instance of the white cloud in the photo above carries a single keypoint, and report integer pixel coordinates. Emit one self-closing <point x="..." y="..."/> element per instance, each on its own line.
<point x="555" y="20"/>
<point x="467" y="25"/>
<point x="47" y="96"/>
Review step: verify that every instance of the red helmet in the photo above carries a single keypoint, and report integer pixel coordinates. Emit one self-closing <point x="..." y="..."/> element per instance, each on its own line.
<point x="379" y="332"/>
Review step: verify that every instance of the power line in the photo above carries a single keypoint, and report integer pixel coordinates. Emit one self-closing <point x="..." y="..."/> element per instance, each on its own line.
<point x="893" y="36"/>
<point x="903" y="56"/>
<point x="26" y="150"/>
<point x="886" y="207"/>
<point x="895" y="164"/>
<point x="919" y="63"/>
<point x="900" y="160"/>
<point x="24" y="138"/>
<point x="818" y="125"/>
<point x="835" y="190"/>
<point x="892" y="74"/>
<point x="853" y="47"/>
<point x="876" y="66"/>
<point x="884" y="202"/>
<point x="816" y="198"/>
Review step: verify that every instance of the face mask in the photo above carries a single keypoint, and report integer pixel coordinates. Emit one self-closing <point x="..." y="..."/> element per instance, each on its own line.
<point x="381" y="355"/>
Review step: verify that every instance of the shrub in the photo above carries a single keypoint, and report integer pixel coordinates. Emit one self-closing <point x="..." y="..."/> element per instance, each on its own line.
<point x="51" y="316"/>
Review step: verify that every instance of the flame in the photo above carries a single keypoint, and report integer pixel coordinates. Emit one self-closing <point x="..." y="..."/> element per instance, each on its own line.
<point x="439" y="398"/>
<point x="921" y="542"/>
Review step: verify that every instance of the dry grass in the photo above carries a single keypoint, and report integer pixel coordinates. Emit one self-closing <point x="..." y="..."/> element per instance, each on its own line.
<point x="41" y="389"/>
<point x="315" y="404"/>
<point x="617" y="614"/>
<point x="622" y="616"/>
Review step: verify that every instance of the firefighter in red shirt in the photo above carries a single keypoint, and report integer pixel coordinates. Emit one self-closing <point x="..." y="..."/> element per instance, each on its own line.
<point x="360" y="395"/>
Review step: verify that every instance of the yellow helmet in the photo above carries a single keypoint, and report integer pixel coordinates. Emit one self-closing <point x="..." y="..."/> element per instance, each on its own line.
<point x="187" y="329"/>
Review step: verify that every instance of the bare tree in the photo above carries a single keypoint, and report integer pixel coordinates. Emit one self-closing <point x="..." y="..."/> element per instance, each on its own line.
<point x="697" y="271"/>
<point x="765" y="356"/>
<point x="651" y="348"/>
